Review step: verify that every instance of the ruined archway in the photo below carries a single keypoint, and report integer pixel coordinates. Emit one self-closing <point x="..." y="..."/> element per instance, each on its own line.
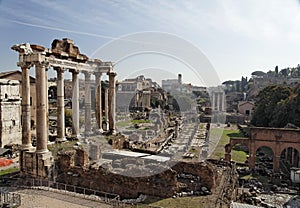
<point x="289" y="157"/>
<point x="239" y="153"/>
<point x="264" y="160"/>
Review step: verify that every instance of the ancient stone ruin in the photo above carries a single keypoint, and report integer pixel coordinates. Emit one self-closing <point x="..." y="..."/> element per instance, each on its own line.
<point x="63" y="56"/>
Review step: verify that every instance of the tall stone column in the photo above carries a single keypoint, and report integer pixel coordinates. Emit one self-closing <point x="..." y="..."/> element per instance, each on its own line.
<point x="26" y="124"/>
<point x="87" y="103"/>
<point x="223" y="102"/>
<point x="218" y="101"/>
<point x="112" y="102"/>
<point x="75" y="105"/>
<point x="98" y="101"/>
<point x="106" y="108"/>
<point x="41" y="108"/>
<point x="60" y="105"/>
<point x="213" y="102"/>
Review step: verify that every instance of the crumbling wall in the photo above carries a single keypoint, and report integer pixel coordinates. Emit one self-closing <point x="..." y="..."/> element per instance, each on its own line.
<point x="204" y="170"/>
<point x="107" y="179"/>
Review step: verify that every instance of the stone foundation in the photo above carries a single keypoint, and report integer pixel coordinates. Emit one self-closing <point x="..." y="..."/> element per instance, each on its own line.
<point x="36" y="164"/>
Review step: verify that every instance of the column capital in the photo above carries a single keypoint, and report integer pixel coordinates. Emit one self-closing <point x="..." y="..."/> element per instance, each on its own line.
<point x="59" y="69"/>
<point x="74" y="71"/>
<point x="45" y="64"/>
<point x="25" y="65"/>
<point x="112" y="73"/>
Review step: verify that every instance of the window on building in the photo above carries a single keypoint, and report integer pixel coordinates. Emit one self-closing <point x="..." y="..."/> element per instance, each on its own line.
<point x="247" y="112"/>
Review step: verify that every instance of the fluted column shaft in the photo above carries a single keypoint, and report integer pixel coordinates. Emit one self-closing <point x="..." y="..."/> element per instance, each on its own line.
<point x="26" y="124"/>
<point x="60" y="105"/>
<point x="41" y="106"/>
<point x="87" y="103"/>
<point x="112" y="101"/>
<point x="75" y="104"/>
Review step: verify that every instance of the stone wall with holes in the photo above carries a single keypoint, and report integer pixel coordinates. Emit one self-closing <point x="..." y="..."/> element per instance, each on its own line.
<point x="10" y="111"/>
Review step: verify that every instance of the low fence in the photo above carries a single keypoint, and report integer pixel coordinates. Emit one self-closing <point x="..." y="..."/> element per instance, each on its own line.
<point x="71" y="190"/>
<point x="10" y="199"/>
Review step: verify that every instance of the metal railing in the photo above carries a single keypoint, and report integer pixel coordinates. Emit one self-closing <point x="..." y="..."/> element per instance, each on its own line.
<point x="10" y="199"/>
<point x="76" y="191"/>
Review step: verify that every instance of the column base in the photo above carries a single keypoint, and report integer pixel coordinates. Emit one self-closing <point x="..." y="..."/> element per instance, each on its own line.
<point x="42" y="151"/>
<point x="27" y="147"/>
<point x="113" y="132"/>
<point x="99" y="131"/>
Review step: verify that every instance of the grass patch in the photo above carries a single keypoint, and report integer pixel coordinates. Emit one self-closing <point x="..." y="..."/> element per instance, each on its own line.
<point x="219" y="152"/>
<point x="191" y="202"/>
<point x="123" y="123"/>
<point x="262" y="179"/>
<point x="9" y="171"/>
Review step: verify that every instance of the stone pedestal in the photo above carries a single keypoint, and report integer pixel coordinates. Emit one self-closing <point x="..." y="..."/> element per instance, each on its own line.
<point x="36" y="164"/>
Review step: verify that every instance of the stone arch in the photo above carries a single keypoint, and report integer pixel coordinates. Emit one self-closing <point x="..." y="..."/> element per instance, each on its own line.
<point x="232" y="143"/>
<point x="289" y="157"/>
<point x="240" y="157"/>
<point x="264" y="160"/>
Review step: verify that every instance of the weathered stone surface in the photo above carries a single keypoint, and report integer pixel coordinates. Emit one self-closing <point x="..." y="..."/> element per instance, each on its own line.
<point x="66" y="48"/>
<point x="204" y="170"/>
<point x="10" y="119"/>
<point x="125" y="180"/>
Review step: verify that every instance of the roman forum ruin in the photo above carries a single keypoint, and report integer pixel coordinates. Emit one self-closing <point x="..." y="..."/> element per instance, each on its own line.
<point x="62" y="57"/>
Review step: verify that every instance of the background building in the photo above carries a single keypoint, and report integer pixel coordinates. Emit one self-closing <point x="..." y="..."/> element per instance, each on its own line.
<point x="10" y="112"/>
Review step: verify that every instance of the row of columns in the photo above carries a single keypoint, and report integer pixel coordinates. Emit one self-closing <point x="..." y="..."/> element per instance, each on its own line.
<point x="42" y="104"/>
<point x="220" y="98"/>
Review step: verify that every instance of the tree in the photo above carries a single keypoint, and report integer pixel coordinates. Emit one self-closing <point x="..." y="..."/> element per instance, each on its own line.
<point x="258" y="73"/>
<point x="276" y="70"/>
<point x="268" y="106"/>
<point x="285" y="72"/>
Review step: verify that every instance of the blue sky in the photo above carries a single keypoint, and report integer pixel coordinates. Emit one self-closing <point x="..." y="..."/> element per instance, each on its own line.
<point x="237" y="36"/>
